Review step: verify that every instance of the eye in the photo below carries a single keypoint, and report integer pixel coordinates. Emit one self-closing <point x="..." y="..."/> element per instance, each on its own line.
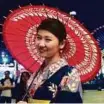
<point x="38" y="38"/>
<point x="48" y="40"/>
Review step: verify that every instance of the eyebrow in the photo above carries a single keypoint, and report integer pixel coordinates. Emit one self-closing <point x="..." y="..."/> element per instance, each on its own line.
<point x="45" y="36"/>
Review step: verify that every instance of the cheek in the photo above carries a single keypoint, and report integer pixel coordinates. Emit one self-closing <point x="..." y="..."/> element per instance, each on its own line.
<point x="36" y="42"/>
<point x="37" y="45"/>
<point x="53" y="47"/>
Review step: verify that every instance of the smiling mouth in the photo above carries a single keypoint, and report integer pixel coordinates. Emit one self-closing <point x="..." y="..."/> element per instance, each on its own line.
<point x="42" y="51"/>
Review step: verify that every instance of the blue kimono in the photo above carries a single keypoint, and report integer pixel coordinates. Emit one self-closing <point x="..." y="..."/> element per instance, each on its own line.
<point x="58" y="83"/>
<point x="62" y="96"/>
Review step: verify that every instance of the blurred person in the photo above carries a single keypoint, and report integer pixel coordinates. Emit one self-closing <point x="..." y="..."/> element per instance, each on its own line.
<point x="20" y="88"/>
<point x="6" y="85"/>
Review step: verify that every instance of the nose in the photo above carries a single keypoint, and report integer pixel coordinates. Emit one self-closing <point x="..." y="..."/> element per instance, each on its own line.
<point x="41" y="43"/>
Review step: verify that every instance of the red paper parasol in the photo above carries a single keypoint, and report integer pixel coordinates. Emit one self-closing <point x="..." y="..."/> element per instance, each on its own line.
<point x="19" y="35"/>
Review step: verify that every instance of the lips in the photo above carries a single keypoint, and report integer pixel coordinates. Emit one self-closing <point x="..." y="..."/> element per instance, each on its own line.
<point x="42" y="50"/>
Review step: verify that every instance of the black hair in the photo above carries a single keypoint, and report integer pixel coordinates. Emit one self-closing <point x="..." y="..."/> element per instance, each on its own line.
<point x="55" y="27"/>
<point x="22" y="75"/>
<point x="7" y="72"/>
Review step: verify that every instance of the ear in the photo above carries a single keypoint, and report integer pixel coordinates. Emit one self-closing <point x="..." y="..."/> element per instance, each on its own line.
<point x="62" y="44"/>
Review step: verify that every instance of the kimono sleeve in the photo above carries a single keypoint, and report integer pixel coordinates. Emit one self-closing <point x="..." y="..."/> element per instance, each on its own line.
<point x="69" y="88"/>
<point x="71" y="81"/>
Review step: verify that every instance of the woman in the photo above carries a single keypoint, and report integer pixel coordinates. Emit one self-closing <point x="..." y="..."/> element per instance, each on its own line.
<point x="55" y="81"/>
<point x="20" y="89"/>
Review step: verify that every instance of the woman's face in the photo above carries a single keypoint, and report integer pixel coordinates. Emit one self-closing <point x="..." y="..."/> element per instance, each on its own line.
<point x="47" y="44"/>
<point x="25" y="77"/>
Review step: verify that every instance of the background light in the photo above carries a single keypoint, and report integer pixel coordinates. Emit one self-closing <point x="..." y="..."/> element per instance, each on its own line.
<point x="73" y="13"/>
<point x="5" y="60"/>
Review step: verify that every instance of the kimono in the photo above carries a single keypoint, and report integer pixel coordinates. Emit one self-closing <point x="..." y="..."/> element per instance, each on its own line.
<point x="59" y="83"/>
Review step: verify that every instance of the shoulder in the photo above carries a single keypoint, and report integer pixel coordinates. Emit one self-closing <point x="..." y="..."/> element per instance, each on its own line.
<point x="2" y="80"/>
<point x="12" y="80"/>
<point x="75" y="72"/>
<point x="72" y="71"/>
<point x="69" y="68"/>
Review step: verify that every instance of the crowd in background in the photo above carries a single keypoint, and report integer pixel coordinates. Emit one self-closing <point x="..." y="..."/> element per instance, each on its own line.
<point x="13" y="88"/>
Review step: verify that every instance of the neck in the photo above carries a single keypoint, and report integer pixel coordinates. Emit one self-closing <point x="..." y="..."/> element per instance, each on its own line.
<point x="49" y="61"/>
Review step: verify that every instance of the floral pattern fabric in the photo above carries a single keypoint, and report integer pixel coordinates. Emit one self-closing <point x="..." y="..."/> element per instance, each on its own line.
<point x="70" y="81"/>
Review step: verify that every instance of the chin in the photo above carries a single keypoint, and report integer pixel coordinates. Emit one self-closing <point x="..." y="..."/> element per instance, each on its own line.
<point x="43" y="55"/>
